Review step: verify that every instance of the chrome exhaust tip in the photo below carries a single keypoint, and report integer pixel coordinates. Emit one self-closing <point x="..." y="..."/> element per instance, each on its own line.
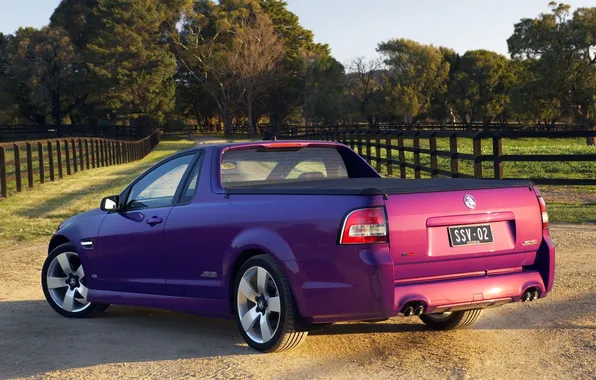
<point x="408" y="311"/>
<point x="526" y="297"/>
<point x="419" y="310"/>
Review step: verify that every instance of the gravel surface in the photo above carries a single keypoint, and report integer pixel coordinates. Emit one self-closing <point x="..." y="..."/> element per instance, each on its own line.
<point x="551" y="338"/>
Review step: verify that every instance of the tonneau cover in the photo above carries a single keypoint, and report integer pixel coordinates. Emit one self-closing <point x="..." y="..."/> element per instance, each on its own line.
<point x="370" y="186"/>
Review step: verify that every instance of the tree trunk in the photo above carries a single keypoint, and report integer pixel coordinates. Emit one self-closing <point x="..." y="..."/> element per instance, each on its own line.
<point x="227" y="121"/>
<point x="591" y="141"/>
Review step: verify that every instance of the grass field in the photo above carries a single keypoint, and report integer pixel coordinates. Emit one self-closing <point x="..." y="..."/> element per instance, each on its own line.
<point x="560" y="169"/>
<point x="38" y="212"/>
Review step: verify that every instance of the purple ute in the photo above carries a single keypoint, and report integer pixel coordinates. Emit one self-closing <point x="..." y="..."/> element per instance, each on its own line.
<point x="287" y="236"/>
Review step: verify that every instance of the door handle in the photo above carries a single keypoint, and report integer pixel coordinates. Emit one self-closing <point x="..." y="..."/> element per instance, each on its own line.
<point x="154" y="220"/>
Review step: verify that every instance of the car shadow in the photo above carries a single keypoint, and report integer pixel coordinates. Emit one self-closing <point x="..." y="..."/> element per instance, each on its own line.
<point x="35" y="340"/>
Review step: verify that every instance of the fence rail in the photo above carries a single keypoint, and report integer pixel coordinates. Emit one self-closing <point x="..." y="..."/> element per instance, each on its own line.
<point x="365" y="140"/>
<point x="57" y="157"/>
<point x="38" y="132"/>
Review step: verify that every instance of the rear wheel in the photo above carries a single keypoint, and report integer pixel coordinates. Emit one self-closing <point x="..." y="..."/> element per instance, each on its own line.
<point x="265" y="312"/>
<point x="451" y="320"/>
<point x="64" y="284"/>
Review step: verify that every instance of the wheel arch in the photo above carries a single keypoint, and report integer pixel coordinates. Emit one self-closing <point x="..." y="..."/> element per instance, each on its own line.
<point x="56" y="241"/>
<point x="289" y="269"/>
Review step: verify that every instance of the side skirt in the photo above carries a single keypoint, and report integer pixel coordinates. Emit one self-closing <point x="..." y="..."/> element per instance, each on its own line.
<point x="201" y="306"/>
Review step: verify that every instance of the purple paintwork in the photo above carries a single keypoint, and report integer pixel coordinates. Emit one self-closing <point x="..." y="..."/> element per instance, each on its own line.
<point x="162" y="265"/>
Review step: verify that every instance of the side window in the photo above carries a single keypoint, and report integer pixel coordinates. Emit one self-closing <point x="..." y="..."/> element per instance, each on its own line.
<point x="158" y="188"/>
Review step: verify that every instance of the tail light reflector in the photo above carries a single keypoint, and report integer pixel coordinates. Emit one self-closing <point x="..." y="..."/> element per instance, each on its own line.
<point x="364" y="226"/>
<point x="544" y="213"/>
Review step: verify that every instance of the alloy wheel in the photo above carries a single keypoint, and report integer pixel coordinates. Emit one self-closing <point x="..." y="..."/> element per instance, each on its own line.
<point x="258" y="304"/>
<point x="66" y="282"/>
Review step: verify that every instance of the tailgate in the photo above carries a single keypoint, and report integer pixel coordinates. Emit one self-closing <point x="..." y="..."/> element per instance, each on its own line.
<point x="463" y="233"/>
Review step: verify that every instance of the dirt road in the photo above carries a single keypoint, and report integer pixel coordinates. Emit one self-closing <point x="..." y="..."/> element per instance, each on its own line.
<point x="552" y="338"/>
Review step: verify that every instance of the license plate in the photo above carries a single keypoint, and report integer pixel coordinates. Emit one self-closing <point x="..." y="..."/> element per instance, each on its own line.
<point x="470" y="235"/>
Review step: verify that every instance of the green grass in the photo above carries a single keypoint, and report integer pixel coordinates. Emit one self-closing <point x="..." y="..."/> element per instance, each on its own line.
<point x="37" y="212"/>
<point x="560" y="169"/>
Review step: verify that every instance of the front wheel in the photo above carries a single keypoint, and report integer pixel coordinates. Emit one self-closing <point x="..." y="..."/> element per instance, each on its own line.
<point x="265" y="311"/>
<point x="451" y="320"/>
<point x="64" y="284"/>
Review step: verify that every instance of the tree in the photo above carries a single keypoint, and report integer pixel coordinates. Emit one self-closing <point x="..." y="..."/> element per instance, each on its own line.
<point x="126" y="70"/>
<point x="232" y="51"/>
<point x="325" y="87"/>
<point x="363" y="81"/>
<point x="565" y="52"/>
<point x="9" y="110"/>
<point x="478" y="90"/>
<point x="258" y="50"/>
<point x="417" y="77"/>
<point x="295" y="69"/>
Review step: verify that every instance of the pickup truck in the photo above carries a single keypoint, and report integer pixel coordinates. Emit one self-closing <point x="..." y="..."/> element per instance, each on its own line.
<point x="289" y="236"/>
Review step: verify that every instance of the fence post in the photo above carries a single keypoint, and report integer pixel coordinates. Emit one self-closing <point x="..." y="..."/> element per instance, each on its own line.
<point x="81" y="158"/>
<point x="102" y="157"/>
<point x="67" y="153"/>
<point x="389" y="154"/>
<point x="3" y="176"/>
<point x="368" y="148"/>
<point x="42" y="169"/>
<point x="51" y="160"/>
<point x="453" y="151"/>
<point x="497" y="153"/>
<point x="416" y="155"/>
<point x="359" y="142"/>
<point x="434" y="165"/>
<point x="402" y="156"/>
<point x="29" y="165"/>
<point x="59" y="157"/>
<point x="74" y="156"/>
<point x="477" y="146"/>
<point x="92" y="153"/>
<point x="17" y="167"/>
<point x="378" y="151"/>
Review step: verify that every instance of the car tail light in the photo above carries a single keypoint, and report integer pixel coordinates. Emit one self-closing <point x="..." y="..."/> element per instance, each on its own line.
<point x="544" y="213"/>
<point x="364" y="226"/>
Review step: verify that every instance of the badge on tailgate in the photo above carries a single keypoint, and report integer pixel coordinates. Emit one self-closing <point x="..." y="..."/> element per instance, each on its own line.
<point x="470" y="235"/>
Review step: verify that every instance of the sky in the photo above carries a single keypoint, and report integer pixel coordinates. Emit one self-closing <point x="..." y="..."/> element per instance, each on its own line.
<point x="353" y="28"/>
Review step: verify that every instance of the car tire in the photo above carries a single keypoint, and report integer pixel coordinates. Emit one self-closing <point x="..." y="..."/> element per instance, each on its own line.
<point x="451" y="321"/>
<point x="64" y="284"/>
<point x="265" y="311"/>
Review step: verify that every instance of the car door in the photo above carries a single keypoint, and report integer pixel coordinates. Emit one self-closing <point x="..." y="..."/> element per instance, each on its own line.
<point x="129" y="246"/>
<point x="195" y="244"/>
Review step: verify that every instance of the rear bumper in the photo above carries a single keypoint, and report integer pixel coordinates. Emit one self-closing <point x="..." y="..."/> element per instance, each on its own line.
<point x="361" y="285"/>
<point x="468" y="293"/>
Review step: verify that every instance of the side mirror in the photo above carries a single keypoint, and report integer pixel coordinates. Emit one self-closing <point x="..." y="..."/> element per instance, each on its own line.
<point x="110" y="203"/>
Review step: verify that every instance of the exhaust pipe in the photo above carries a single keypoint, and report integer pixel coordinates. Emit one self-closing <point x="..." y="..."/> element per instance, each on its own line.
<point x="419" y="310"/>
<point x="530" y="295"/>
<point x="526" y="297"/>
<point x="408" y="311"/>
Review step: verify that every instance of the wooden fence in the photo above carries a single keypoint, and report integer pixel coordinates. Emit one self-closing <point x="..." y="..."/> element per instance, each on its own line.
<point x="394" y="157"/>
<point x="42" y="132"/>
<point x="35" y="162"/>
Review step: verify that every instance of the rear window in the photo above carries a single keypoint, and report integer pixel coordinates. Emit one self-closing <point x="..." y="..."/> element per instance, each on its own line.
<point x="242" y="167"/>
